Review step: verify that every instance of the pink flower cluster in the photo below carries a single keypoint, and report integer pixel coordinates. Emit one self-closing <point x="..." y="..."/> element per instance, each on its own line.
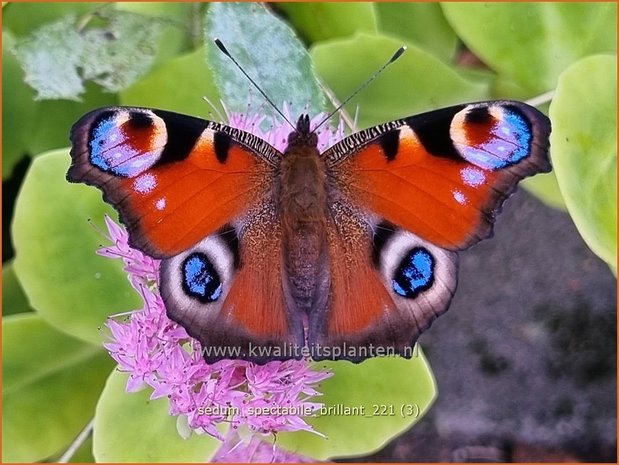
<point x="158" y="353"/>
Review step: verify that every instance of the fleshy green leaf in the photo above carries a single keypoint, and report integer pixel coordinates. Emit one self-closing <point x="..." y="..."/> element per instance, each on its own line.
<point x="13" y="298"/>
<point x="321" y="21"/>
<point x="133" y="428"/>
<point x="269" y="52"/>
<point x="29" y="128"/>
<point x="161" y="88"/>
<point x="532" y="43"/>
<point x="420" y="23"/>
<point x="117" y="55"/>
<point x="584" y="150"/>
<point x="389" y="395"/>
<point x="67" y="283"/>
<point x="84" y="453"/>
<point x="18" y="109"/>
<point x="58" y="56"/>
<point x="416" y="82"/>
<point x="178" y="18"/>
<point x="50" y="57"/>
<point x="51" y="383"/>
<point x="545" y="187"/>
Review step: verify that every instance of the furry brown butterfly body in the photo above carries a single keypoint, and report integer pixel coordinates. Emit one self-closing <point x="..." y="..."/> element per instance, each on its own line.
<point x="303" y="209"/>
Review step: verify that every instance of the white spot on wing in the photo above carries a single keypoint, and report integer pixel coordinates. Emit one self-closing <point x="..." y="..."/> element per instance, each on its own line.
<point x="145" y="183"/>
<point x="160" y="204"/>
<point x="472" y="176"/>
<point x="459" y="197"/>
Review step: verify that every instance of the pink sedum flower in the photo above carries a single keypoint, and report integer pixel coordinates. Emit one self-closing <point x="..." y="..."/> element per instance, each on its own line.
<point x="158" y="354"/>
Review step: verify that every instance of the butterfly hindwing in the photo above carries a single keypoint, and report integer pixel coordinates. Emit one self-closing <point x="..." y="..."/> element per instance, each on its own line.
<point x="228" y="293"/>
<point x="444" y="174"/>
<point x="174" y="179"/>
<point x="386" y="287"/>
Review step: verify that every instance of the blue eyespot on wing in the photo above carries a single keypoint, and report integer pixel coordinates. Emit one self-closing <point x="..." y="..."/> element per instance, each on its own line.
<point x="415" y="273"/>
<point x="200" y="280"/>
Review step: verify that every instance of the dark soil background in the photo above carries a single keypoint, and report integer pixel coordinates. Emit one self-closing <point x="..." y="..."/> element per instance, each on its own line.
<point x="525" y="358"/>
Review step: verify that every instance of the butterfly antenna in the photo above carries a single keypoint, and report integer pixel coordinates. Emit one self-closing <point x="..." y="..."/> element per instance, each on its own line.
<point x="395" y="56"/>
<point x="225" y="51"/>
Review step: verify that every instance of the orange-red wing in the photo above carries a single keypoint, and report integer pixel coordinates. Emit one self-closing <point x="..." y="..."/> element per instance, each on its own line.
<point x="174" y="179"/>
<point x="443" y="175"/>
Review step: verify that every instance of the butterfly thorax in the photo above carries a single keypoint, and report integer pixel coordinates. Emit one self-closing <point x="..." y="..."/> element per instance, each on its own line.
<point x="303" y="210"/>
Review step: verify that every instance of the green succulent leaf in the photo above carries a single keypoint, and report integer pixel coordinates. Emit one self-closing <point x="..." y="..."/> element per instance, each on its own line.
<point x="13" y="298"/>
<point x="59" y="56"/>
<point x="30" y="127"/>
<point x="532" y="43"/>
<point x="51" y="383"/>
<point x="419" y="23"/>
<point x="133" y="428"/>
<point x="317" y="21"/>
<point x="584" y="150"/>
<point x="70" y="286"/>
<point x="545" y="187"/>
<point x="284" y="72"/>
<point x="389" y="395"/>
<point x="15" y="95"/>
<point x="178" y="19"/>
<point x="416" y="82"/>
<point x="178" y="85"/>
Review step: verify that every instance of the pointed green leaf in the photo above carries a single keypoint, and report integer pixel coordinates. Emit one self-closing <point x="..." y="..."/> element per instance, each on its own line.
<point x="161" y="88"/>
<point x="384" y="397"/>
<point x="70" y="286"/>
<point x="419" y="23"/>
<point x="532" y="43"/>
<point x="133" y="428"/>
<point x="317" y="21"/>
<point x="584" y="150"/>
<point x="51" y="383"/>
<point x="416" y="82"/>
<point x="269" y="52"/>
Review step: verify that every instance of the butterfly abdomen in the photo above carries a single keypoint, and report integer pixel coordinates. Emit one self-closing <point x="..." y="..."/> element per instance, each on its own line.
<point x="303" y="207"/>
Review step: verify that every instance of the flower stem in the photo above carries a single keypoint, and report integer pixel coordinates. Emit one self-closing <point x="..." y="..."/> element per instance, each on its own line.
<point x="541" y="99"/>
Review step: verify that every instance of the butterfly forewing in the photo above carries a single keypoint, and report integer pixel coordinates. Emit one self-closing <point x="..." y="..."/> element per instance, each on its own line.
<point x="196" y="194"/>
<point x="443" y="175"/>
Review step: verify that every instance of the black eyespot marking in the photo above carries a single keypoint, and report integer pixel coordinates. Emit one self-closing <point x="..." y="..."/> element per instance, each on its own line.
<point x="415" y="273"/>
<point x="389" y="142"/>
<point x="382" y="234"/>
<point x="432" y="129"/>
<point x="222" y="145"/>
<point x="200" y="280"/>
<point x="139" y="120"/>
<point x="478" y="115"/>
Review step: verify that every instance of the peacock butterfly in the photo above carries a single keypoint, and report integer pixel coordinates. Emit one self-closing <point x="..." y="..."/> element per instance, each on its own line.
<point x="306" y="252"/>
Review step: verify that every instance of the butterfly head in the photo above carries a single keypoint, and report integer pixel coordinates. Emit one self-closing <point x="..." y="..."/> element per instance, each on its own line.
<point x="302" y="135"/>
